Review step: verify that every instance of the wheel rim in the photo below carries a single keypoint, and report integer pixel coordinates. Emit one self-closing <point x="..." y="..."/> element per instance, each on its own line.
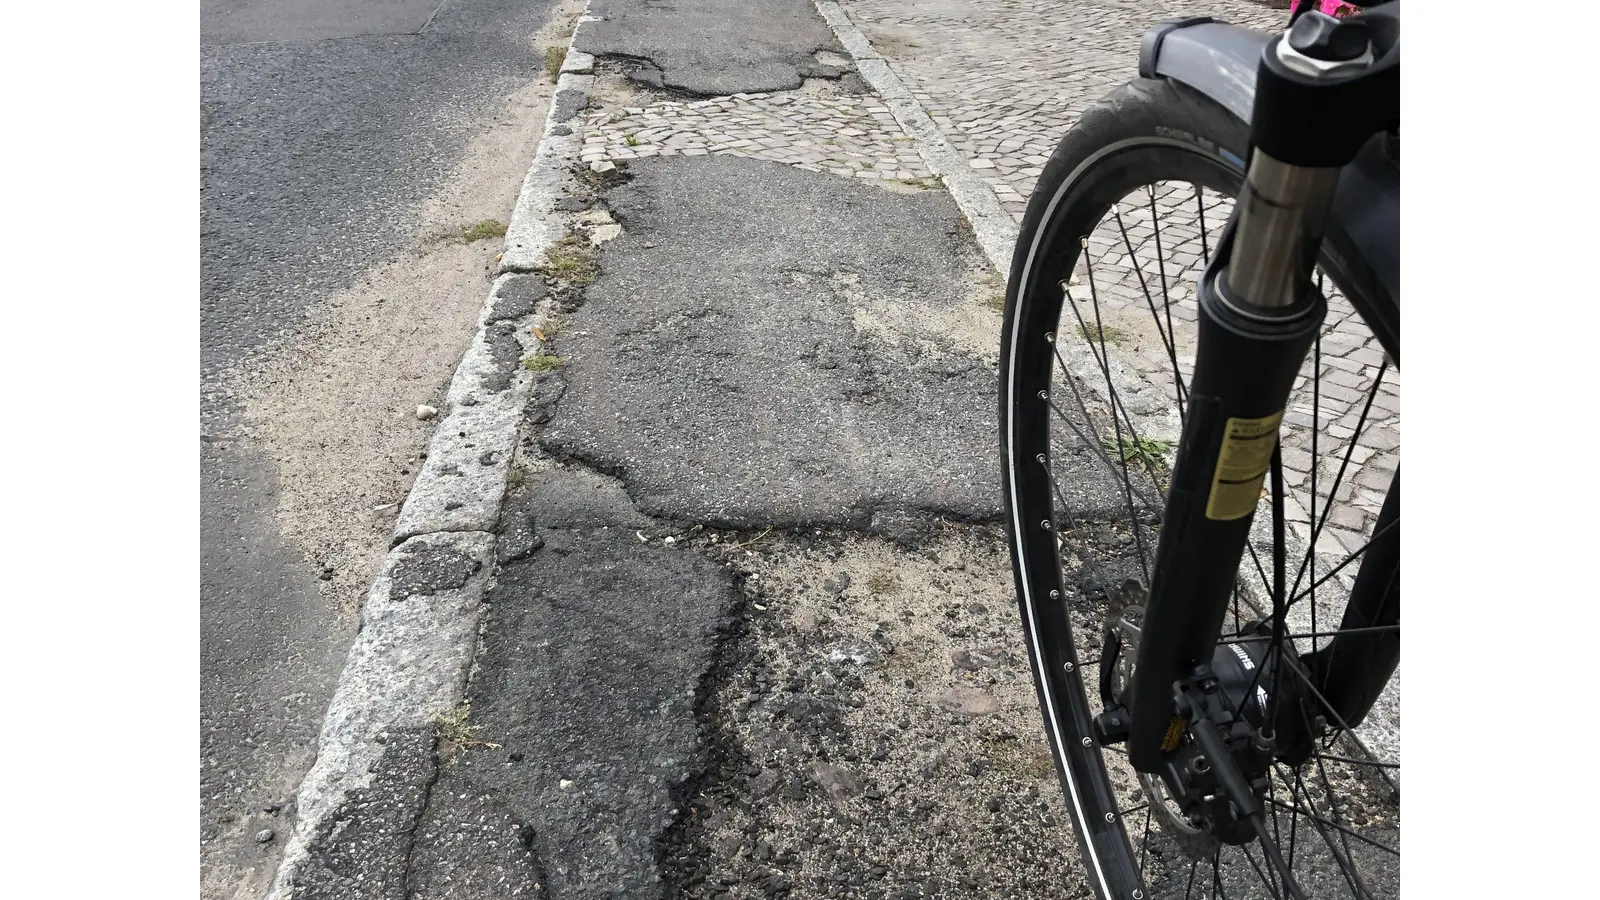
<point x="1115" y="333"/>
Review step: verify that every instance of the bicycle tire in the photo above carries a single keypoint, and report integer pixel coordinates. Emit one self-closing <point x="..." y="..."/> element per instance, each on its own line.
<point x="1148" y="131"/>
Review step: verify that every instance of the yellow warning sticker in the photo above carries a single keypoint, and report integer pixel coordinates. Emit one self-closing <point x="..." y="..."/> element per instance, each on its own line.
<point x="1241" y="466"/>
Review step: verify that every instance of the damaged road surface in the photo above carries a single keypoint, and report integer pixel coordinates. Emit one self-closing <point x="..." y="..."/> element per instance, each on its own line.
<point x="710" y="48"/>
<point x="743" y="625"/>
<point x="750" y="632"/>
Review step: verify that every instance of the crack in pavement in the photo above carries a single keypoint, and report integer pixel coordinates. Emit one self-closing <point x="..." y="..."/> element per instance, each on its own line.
<point x="762" y="45"/>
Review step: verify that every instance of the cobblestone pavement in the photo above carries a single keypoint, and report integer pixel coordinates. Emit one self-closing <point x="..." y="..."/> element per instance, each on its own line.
<point x="820" y="129"/>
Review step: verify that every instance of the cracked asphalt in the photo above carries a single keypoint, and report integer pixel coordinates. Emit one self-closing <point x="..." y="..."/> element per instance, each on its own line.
<point x="710" y="48"/>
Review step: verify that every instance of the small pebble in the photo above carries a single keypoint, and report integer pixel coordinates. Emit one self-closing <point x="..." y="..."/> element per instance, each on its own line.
<point x="425" y="412"/>
<point x="264" y="835"/>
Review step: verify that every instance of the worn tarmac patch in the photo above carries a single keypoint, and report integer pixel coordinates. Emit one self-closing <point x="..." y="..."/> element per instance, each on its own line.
<point x="363" y="849"/>
<point x="592" y="658"/>
<point x="422" y="568"/>
<point x="780" y="367"/>
<point x="751" y="46"/>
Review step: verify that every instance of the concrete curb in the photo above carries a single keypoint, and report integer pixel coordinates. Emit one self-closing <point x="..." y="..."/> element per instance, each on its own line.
<point x="536" y="224"/>
<point x="419" y="626"/>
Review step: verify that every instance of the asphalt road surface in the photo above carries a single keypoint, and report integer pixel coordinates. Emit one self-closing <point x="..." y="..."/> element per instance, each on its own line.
<point x="334" y="135"/>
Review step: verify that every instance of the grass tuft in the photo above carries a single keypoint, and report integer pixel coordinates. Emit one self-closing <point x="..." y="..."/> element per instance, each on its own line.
<point x="1151" y="453"/>
<point x="1102" y="333"/>
<point x="482" y="231"/>
<point x="542" y="362"/>
<point x="571" y="259"/>
<point x="554" y="59"/>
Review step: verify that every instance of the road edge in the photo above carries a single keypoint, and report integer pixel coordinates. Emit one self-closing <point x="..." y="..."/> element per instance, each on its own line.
<point x="409" y="664"/>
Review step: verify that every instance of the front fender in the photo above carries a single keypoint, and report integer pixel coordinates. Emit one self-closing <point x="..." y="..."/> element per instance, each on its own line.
<point x="1219" y="60"/>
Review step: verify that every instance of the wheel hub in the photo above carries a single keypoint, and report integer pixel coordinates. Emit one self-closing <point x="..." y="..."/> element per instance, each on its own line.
<point x="1197" y="794"/>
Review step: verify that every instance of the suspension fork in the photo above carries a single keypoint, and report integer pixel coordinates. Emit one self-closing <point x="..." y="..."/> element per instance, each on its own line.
<point x="1323" y="89"/>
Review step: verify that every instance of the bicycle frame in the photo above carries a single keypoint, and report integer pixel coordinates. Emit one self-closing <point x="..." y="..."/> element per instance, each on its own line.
<point x="1320" y="161"/>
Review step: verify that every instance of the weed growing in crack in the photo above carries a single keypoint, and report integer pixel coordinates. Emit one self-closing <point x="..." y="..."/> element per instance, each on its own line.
<point x="549" y="328"/>
<point x="571" y="259"/>
<point x="456" y="730"/>
<point x="631" y="141"/>
<point x="554" y="59"/>
<point x="1151" y="453"/>
<point x="1102" y="333"/>
<point x="517" y="477"/>
<point x="996" y="302"/>
<point x="542" y="362"/>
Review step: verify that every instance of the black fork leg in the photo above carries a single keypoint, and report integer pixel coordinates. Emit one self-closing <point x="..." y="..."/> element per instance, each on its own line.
<point x="1352" y="670"/>
<point x="1245" y="367"/>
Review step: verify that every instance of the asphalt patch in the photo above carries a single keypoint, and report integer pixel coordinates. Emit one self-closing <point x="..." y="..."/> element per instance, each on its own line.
<point x="471" y="846"/>
<point x="364" y="849"/>
<point x="769" y="346"/>
<point x="504" y="352"/>
<point x="712" y="48"/>
<point x="424" y="569"/>
<point x="586" y="694"/>
<point x="516" y="297"/>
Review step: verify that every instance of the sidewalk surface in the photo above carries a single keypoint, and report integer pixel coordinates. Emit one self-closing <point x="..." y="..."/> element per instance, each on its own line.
<point x="745" y="627"/>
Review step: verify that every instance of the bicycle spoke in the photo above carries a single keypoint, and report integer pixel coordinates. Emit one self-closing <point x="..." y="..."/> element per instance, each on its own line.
<point x="1105" y="367"/>
<point x="1355" y="762"/>
<point x="1322" y="831"/>
<point x="1271" y="887"/>
<point x="1194" y="867"/>
<point x="1167" y="338"/>
<point x="1341" y="723"/>
<point x="1294" y="821"/>
<point x="1312" y="634"/>
<point x="1333" y="805"/>
<point x="1344" y="465"/>
<point x="1103" y="359"/>
<point x="1092" y="441"/>
<point x="1166" y="306"/>
<point x="1144" y="843"/>
<point x="1348" y="560"/>
<point x="1316" y="426"/>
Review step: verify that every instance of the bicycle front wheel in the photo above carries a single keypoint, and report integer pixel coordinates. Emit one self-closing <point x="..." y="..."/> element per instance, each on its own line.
<point x="1097" y="350"/>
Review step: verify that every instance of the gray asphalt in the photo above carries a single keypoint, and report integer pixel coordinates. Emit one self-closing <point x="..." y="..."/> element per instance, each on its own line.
<point x="324" y="125"/>
<point x="730" y="371"/>
<point x="714" y="47"/>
